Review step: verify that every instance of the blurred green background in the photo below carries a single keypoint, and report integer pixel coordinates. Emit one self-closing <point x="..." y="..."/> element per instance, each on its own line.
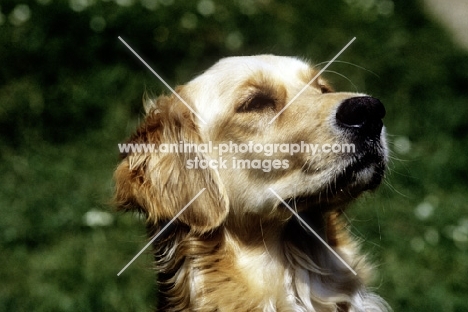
<point x="70" y="91"/>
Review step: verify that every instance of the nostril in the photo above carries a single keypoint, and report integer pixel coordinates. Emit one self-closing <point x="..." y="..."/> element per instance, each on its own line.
<point x="364" y="113"/>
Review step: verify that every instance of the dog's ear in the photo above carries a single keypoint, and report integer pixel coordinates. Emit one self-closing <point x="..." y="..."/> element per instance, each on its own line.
<point x="159" y="183"/>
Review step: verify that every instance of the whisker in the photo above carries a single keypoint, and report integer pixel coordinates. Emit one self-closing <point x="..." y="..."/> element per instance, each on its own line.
<point x="349" y="63"/>
<point x="343" y="76"/>
<point x="393" y="189"/>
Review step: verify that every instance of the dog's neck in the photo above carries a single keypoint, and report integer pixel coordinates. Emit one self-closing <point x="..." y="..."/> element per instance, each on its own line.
<point x="276" y="263"/>
<point x="282" y="259"/>
<point x="253" y="230"/>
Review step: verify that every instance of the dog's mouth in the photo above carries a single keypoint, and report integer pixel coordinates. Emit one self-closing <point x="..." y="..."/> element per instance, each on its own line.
<point x="363" y="173"/>
<point x="360" y="173"/>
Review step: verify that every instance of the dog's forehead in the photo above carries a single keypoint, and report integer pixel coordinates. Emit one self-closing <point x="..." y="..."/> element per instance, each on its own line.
<point x="241" y="67"/>
<point x="209" y="91"/>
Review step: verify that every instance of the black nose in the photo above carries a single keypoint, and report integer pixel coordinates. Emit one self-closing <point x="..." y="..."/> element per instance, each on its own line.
<point x="361" y="114"/>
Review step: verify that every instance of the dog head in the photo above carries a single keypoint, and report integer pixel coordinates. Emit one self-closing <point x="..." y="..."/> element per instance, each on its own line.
<point x="254" y="102"/>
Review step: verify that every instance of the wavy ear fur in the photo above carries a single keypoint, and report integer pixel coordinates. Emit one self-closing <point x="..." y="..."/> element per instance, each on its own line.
<point x="159" y="184"/>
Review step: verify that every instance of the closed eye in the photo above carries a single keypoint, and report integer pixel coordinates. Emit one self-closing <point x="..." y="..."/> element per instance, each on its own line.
<point x="257" y="103"/>
<point x="325" y="88"/>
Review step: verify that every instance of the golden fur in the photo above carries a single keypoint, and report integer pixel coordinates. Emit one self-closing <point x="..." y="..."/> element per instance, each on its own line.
<point x="237" y="247"/>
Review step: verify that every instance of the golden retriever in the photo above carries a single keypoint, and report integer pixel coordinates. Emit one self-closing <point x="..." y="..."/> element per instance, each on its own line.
<point x="238" y="247"/>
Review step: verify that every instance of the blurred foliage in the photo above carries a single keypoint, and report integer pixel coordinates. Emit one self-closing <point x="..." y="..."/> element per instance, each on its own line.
<point x="70" y="91"/>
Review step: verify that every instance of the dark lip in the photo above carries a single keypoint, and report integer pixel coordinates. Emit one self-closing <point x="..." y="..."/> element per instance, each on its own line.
<point x="344" y="187"/>
<point x="348" y="176"/>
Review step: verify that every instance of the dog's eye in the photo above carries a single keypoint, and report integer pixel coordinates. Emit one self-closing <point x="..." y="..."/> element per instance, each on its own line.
<point x="257" y="102"/>
<point x="325" y="88"/>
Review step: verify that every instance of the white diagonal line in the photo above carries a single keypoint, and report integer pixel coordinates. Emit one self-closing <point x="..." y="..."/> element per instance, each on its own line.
<point x="312" y="231"/>
<point x="162" y="80"/>
<point x="161" y="231"/>
<point x="310" y="82"/>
